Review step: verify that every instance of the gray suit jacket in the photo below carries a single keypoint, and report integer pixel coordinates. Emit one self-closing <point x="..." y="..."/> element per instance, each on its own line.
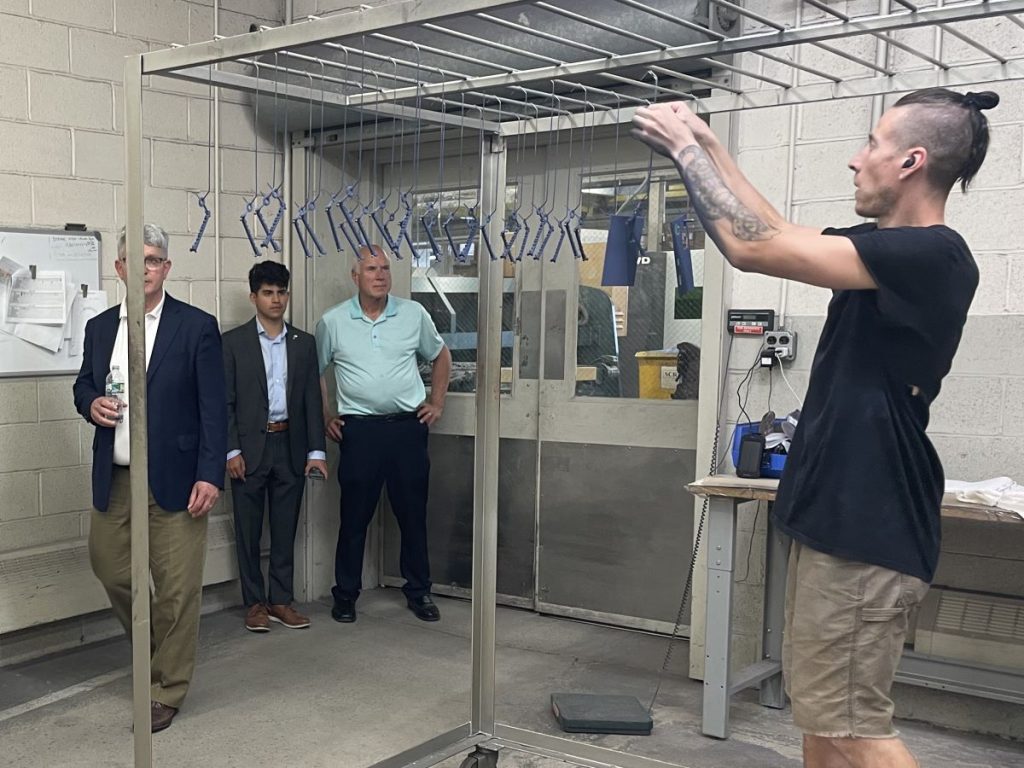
<point x="247" y="397"/>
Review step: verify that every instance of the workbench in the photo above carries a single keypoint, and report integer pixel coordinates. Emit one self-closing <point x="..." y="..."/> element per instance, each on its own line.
<point x="725" y="493"/>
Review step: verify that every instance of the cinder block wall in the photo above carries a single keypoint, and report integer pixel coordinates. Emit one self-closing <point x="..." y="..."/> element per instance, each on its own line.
<point x="61" y="160"/>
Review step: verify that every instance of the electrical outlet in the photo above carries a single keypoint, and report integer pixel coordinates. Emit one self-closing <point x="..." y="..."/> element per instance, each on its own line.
<point x="669" y="377"/>
<point x="783" y="343"/>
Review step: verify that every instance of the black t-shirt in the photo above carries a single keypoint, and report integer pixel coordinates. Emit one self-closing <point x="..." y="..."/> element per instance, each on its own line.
<point x="862" y="481"/>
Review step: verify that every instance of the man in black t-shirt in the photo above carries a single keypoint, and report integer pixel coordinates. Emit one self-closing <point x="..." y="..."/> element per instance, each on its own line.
<point x="863" y="485"/>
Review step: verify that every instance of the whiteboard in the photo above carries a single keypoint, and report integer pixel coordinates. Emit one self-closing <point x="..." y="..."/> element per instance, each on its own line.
<point x="76" y="256"/>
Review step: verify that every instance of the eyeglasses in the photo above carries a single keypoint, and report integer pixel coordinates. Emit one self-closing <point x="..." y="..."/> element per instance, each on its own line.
<point x="153" y="263"/>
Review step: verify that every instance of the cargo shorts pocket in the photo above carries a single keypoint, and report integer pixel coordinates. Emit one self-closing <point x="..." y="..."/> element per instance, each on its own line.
<point x="882" y="614"/>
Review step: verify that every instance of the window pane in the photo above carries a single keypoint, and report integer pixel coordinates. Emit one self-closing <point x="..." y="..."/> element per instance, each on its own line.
<point x="640" y="340"/>
<point x="445" y="281"/>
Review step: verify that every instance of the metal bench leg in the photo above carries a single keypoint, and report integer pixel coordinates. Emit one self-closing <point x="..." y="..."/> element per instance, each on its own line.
<point x="776" y="562"/>
<point x="718" y="623"/>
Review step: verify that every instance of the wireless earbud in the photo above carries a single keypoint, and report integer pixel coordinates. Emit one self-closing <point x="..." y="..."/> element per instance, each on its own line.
<point x="908" y="163"/>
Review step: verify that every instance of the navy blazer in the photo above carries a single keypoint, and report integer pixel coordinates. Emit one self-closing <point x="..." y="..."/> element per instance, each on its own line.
<point x="188" y="424"/>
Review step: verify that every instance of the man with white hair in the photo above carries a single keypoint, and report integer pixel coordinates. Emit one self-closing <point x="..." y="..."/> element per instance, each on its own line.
<point x="187" y="442"/>
<point x="381" y="422"/>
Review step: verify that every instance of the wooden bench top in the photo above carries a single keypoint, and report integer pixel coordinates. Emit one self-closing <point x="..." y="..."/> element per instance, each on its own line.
<point x="764" y="489"/>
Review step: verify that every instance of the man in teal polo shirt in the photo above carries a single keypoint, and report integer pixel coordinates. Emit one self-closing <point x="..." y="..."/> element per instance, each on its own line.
<point x="381" y="422"/>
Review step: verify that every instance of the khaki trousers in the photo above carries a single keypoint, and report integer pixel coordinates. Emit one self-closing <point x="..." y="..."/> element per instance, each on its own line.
<point x="177" y="553"/>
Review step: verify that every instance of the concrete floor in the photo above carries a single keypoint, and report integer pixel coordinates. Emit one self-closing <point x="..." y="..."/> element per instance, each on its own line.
<point x="350" y="695"/>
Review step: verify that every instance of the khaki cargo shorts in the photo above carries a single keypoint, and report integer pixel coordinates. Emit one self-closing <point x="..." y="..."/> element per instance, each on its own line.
<point x="845" y="627"/>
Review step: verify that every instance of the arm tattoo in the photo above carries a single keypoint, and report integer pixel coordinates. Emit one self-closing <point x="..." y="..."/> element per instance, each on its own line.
<point x="713" y="200"/>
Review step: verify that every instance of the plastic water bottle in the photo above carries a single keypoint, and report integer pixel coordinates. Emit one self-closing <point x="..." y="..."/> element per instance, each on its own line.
<point x="115" y="389"/>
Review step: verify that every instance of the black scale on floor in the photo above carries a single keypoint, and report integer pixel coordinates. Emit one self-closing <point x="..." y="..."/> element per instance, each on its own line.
<point x="599" y="713"/>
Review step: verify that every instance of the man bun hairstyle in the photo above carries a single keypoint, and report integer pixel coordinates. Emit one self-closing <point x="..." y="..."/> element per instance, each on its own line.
<point x="952" y="128"/>
<point x="268" y="273"/>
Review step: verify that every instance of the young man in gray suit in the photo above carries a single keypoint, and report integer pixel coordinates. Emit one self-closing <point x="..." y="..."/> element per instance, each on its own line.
<point x="275" y="440"/>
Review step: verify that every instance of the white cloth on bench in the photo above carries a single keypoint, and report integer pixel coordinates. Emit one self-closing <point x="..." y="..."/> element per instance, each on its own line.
<point x="999" y="492"/>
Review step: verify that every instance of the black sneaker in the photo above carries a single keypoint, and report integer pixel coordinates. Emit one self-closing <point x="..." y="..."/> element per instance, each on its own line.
<point x="344" y="610"/>
<point x="424" y="608"/>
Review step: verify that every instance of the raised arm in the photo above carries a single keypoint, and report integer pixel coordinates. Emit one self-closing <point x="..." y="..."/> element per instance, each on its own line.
<point x="751" y="234"/>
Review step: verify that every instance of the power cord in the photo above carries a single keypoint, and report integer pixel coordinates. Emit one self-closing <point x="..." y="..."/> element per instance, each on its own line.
<point x="700" y="529"/>
<point x="799" y="400"/>
<point x="742" y="402"/>
<point x="750" y="545"/>
<point x="716" y="460"/>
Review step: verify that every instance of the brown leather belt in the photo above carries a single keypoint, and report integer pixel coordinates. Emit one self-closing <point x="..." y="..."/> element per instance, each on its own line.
<point x="277" y="426"/>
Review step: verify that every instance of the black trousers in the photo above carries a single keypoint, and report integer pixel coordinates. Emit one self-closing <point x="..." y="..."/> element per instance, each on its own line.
<point x="376" y="451"/>
<point x="275" y="479"/>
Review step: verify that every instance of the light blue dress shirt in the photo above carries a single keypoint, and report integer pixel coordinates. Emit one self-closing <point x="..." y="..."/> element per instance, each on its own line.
<point x="275" y="363"/>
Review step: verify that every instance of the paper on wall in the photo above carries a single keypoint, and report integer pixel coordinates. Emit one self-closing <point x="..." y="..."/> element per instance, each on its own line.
<point x="86" y="308"/>
<point x="49" y="337"/>
<point x="41" y="300"/>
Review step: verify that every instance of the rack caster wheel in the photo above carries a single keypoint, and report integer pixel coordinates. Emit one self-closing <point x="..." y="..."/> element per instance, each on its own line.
<point x="481" y="758"/>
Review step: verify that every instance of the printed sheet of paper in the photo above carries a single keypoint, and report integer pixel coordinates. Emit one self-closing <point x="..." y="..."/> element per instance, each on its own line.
<point x="85" y="309"/>
<point x="49" y="337"/>
<point x="39" y="301"/>
<point x="8" y="268"/>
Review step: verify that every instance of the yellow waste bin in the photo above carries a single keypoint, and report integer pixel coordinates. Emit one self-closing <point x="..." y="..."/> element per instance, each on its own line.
<point x="658" y="373"/>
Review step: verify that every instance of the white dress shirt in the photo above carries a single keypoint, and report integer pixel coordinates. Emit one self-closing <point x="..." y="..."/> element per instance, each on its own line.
<point x="119" y="357"/>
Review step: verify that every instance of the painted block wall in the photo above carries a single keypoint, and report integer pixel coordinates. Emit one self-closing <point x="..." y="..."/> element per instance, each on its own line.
<point x="61" y="160"/>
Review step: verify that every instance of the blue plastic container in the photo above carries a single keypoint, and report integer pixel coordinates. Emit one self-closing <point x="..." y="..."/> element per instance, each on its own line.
<point x="772" y="464"/>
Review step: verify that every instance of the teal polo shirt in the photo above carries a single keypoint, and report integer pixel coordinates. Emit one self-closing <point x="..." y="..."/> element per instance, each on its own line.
<point x="374" y="361"/>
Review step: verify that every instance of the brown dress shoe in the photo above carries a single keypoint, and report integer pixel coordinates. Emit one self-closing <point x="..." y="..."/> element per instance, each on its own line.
<point x="288" y="616"/>
<point x="161" y="715"/>
<point x="256" y="620"/>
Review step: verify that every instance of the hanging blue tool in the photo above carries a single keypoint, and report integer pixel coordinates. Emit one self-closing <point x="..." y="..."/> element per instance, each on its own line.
<point x="304" y="230"/>
<point x="202" y="226"/>
<point x="432" y="214"/>
<point x="683" y="258"/>
<point x="543" y="223"/>
<point x="577" y="217"/>
<point x="250" y="205"/>
<point x="273" y="188"/>
<point x="334" y="226"/>
<point x="474" y="222"/>
<point x="269" y="230"/>
<point x="406" y="197"/>
<point x="514" y="222"/>
<point x="373" y="211"/>
<point x="625" y="231"/>
<point x="570" y="211"/>
<point x="201" y="198"/>
<point x="352" y="226"/>
<point x="348" y="227"/>
<point x="452" y="219"/>
<point x="394" y="242"/>
<point x="485" y="223"/>
<point x="329" y="210"/>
